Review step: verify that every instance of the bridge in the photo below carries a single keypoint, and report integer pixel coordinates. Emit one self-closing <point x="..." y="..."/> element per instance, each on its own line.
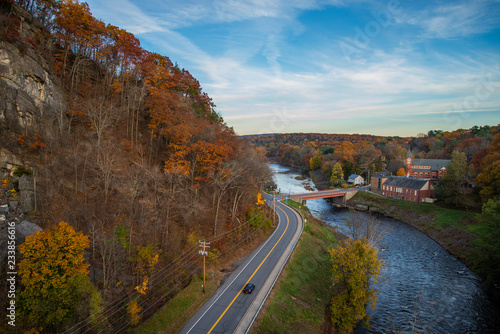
<point x="340" y="195"/>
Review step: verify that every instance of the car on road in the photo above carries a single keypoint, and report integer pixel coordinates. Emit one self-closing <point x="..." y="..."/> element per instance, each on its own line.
<point x="249" y="288"/>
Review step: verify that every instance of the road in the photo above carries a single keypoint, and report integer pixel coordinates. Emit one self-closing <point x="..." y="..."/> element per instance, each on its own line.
<point x="229" y="310"/>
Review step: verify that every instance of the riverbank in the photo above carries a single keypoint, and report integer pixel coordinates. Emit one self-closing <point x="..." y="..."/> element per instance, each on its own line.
<point x="454" y="230"/>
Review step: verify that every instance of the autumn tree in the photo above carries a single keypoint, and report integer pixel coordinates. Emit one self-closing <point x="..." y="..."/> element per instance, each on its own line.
<point x="489" y="177"/>
<point x="54" y="276"/>
<point x="354" y="265"/>
<point x="337" y="175"/>
<point x="401" y="172"/>
<point x="488" y="260"/>
<point x="315" y="162"/>
<point x="456" y="178"/>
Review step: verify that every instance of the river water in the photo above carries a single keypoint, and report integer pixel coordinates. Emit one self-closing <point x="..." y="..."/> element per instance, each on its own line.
<point x="421" y="287"/>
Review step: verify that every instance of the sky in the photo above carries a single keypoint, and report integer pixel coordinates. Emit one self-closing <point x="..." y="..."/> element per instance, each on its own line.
<point x="390" y="68"/>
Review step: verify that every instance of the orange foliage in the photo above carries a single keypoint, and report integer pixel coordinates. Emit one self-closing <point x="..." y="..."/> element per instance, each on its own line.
<point x="51" y="270"/>
<point x="39" y="144"/>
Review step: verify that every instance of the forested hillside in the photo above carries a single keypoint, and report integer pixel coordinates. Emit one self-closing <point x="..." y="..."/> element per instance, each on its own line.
<point x="126" y="148"/>
<point x="333" y="157"/>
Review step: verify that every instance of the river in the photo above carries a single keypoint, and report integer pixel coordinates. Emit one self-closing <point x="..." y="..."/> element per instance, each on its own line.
<point x="421" y="287"/>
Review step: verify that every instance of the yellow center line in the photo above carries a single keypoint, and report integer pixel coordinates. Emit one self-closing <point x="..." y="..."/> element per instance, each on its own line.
<point x="227" y="308"/>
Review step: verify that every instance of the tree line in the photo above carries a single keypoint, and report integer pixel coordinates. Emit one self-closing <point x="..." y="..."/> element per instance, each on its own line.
<point x="334" y="157"/>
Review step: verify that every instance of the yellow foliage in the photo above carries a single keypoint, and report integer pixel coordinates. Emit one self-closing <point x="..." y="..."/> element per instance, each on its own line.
<point x="260" y="199"/>
<point x="52" y="257"/>
<point x="34" y="331"/>
<point x="354" y="263"/>
<point x="133" y="309"/>
<point x="51" y="269"/>
<point x="143" y="287"/>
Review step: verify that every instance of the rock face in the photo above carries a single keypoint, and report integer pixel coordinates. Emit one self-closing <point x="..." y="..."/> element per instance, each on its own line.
<point x="27" y="90"/>
<point x="22" y="229"/>
<point x="27" y="193"/>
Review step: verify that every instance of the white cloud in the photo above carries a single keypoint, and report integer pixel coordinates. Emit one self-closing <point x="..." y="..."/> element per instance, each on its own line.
<point x="126" y="15"/>
<point x="456" y="19"/>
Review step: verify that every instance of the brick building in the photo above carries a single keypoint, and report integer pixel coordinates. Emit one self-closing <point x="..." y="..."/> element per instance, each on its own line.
<point x="431" y="169"/>
<point x="378" y="180"/>
<point x="408" y="188"/>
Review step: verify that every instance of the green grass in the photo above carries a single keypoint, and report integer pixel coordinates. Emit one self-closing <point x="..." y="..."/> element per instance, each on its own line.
<point x="302" y="208"/>
<point x="171" y="317"/>
<point x="299" y="300"/>
<point x="443" y="217"/>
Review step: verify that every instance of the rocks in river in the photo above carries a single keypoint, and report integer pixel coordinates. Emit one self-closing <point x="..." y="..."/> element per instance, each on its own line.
<point x="361" y="207"/>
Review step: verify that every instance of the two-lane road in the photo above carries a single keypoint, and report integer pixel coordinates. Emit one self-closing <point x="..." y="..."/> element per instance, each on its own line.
<point x="226" y="308"/>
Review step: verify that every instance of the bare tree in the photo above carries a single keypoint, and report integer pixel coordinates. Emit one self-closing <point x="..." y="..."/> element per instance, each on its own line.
<point x="361" y="227"/>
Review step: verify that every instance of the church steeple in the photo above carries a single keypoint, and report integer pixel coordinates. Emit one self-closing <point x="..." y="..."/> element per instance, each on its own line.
<point x="409" y="162"/>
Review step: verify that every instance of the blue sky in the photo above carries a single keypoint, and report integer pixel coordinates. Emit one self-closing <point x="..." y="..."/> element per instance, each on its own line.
<point x="378" y="67"/>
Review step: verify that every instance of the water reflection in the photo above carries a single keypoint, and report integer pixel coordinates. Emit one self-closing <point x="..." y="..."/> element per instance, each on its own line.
<point x="421" y="288"/>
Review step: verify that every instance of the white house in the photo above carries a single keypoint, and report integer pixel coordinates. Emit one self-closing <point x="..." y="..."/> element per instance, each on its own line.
<point x="356" y="179"/>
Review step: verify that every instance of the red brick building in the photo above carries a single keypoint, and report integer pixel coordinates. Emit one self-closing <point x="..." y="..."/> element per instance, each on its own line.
<point x="431" y="169"/>
<point x="378" y="180"/>
<point x="408" y="188"/>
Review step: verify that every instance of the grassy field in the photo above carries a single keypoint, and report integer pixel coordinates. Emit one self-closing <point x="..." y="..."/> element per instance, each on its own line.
<point x="301" y="296"/>
<point x="443" y="217"/>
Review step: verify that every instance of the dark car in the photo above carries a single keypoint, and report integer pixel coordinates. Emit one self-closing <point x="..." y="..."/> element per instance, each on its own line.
<point x="249" y="288"/>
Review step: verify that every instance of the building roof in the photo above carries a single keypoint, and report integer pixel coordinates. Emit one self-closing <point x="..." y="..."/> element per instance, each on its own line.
<point x="354" y="176"/>
<point x="434" y="164"/>
<point x="382" y="174"/>
<point x="406" y="182"/>
<point x="409" y="154"/>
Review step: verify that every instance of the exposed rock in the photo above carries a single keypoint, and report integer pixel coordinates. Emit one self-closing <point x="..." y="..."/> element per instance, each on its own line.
<point x="27" y="90"/>
<point x="26" y="183"/>
<point x="13" y="205"/>
<point x="4" y="209"/>
<point x="376" y="209"/>
<point x="8" y="161"/>
<point x="24" y="229"/>
<point x="26" y="193"/>
<point x="361" y="207"/>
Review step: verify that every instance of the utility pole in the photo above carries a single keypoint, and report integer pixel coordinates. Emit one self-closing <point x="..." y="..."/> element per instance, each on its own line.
<point x="204" y="253"/>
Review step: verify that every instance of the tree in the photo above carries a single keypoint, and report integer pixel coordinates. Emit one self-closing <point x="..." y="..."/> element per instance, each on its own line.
<point x="337" y="175"/>
<point x="315" y="162"/>
<point x="489" y="177"/>
<point x="456" y="178"/>
<point x="360" y="227"/>
<point x="488" y="260"/>
<point x="51" y="271"/>
<point x="401" y="172"/>
<point x="354" y="263"/>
